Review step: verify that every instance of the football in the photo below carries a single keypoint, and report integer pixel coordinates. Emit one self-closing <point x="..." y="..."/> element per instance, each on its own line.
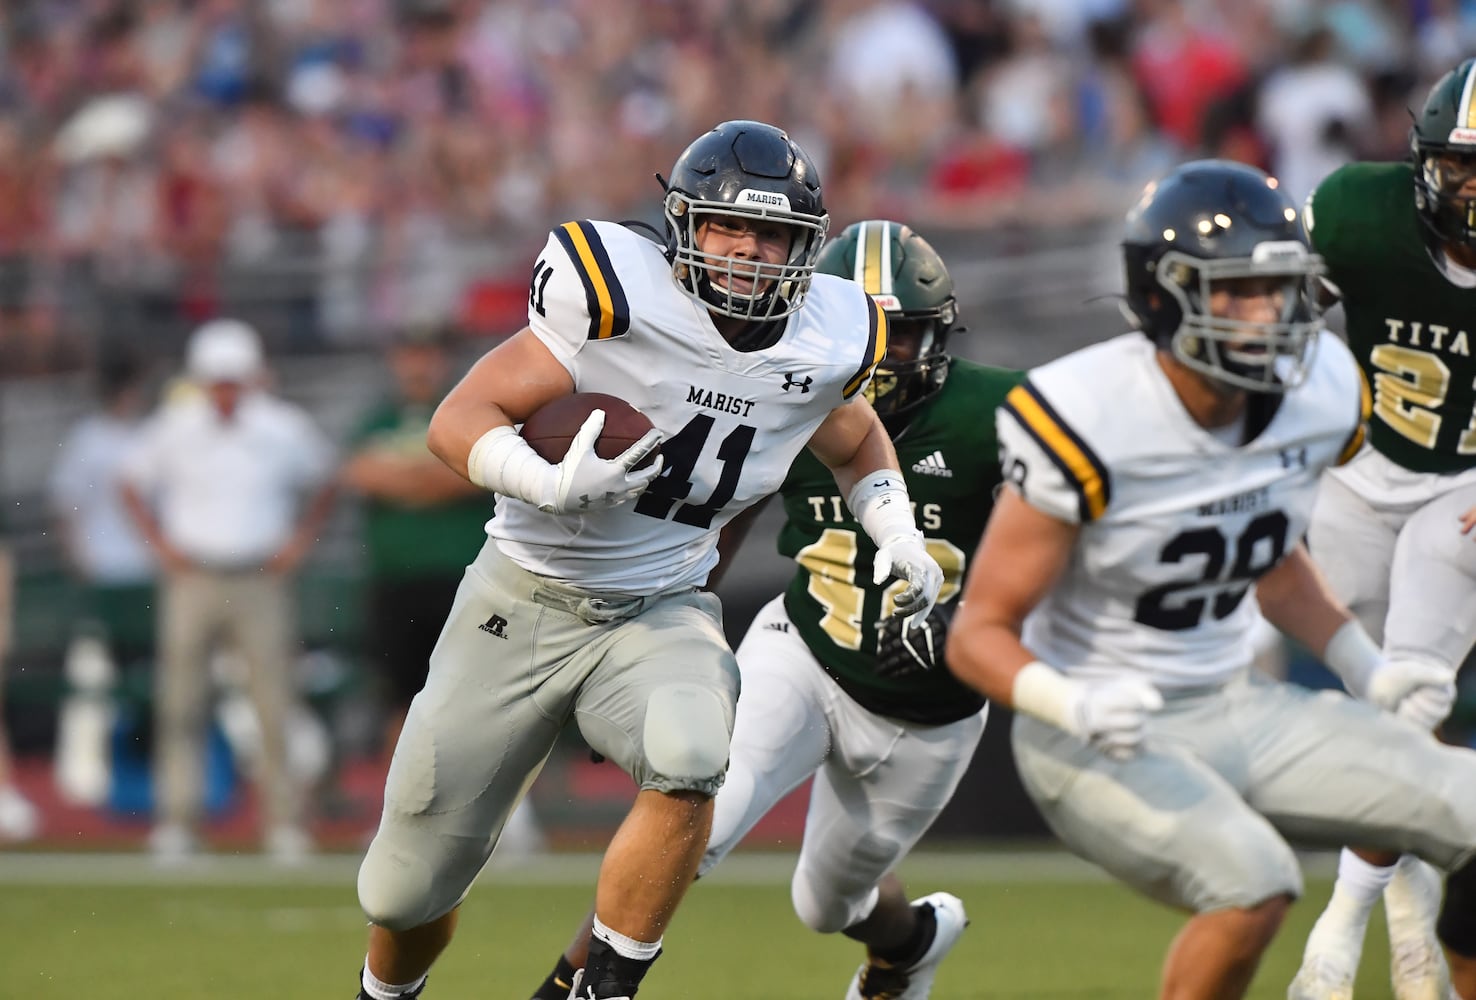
<point x="550" y="429"/>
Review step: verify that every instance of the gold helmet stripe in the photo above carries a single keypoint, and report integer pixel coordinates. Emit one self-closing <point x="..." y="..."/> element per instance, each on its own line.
<point x="1466" y="113"/>
<point x="873" y="267"/>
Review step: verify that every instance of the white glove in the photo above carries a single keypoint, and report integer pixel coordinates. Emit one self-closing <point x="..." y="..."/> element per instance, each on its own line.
<point x="907" y="557"/>
<point x="583" y="481"/>
<point x="1421" y="692"/>
<point x="1111" y="715"/>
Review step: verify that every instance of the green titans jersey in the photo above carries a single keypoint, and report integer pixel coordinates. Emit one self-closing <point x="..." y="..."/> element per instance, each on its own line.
<point x="1411" y="329"/>
<point x="950" y="459"/>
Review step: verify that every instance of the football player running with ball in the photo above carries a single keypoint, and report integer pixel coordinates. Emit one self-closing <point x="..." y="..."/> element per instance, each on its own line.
<point x="587" y="603"/>
<point x="1156" y="481"/>
<point x="837" y="686"/>
<point x="1400" y="244"/>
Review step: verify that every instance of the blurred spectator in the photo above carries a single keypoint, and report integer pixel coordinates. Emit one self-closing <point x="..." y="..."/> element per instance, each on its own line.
<point x="103" y="547"/>
<point x="1315" y="113"/>
<point x="1183" y="67"/>
<point x="420" y="519"/>
<point x="230" y="486"/>
<point x="331" y="169"/>
<point x="19" y="819"/>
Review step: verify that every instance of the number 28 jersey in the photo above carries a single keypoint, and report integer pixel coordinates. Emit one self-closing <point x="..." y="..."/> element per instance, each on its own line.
<point x="604" y="302"/>
<point x="1176" y="524"/>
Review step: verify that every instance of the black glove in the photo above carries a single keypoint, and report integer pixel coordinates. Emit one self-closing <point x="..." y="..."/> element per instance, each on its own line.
<point x="901" y="651"/>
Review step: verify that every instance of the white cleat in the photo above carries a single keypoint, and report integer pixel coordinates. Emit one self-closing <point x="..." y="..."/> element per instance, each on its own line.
<point x="879" y="981"/>
<point x="1416" y="961"/>
<point x="1418" y="970"/>
<point x="288" y="845"/>
<point x="173" y="843"/>
<point x="1321" y="978"/>
<point x="19" y="818"/>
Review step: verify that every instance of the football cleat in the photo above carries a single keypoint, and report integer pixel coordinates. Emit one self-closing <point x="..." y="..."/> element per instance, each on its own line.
<point x="1418" y="970"/>
<point x="878" y="980"/>
<point x="1416" y="960"/>
<point x="1322" y="978"/>
<point x="582" y="992"/>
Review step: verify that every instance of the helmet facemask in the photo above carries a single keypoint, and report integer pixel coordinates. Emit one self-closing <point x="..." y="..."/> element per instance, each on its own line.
<point x="898" y="386"/>
<point x="777" y="289"/>
<point x="1440" y="175"/>
<point x="1256" y="356"/>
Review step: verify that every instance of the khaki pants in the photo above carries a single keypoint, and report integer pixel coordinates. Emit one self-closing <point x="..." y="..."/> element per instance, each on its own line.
<point x="251" y="610"/>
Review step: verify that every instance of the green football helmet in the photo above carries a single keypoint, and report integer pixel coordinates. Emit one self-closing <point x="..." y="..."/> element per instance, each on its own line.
<point x="1443" y="146"/>
<point x="911" y="284"/>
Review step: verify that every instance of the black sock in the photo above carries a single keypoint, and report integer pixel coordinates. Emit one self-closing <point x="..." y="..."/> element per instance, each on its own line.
<point x="908" y="952"/>
<point x="611" y="973"/>
<point x="558" y="984"/>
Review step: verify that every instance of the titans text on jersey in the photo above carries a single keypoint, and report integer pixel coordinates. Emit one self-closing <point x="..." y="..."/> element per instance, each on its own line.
<point x="829" y="598"/>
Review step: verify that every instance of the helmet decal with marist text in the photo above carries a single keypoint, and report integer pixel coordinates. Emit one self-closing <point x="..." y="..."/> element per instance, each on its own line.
<point x="756" y="172"/>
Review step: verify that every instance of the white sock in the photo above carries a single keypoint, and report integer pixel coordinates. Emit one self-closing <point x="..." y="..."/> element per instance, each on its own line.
<point x="384" y="991"/>
<point x="1359" y="886"/>
<point x="643" y="951"/>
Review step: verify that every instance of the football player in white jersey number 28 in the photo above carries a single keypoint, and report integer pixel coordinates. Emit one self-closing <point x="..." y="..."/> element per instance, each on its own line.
<point x="587" y="601"/>
<point x="1155" y="482"/>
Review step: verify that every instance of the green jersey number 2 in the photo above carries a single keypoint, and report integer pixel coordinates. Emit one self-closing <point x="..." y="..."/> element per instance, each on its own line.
<point x="831" y="562"/>
<point x="1408" y="392"/>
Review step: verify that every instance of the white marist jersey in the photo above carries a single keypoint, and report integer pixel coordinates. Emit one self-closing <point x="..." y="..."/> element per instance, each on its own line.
<point x="1176" y="523"/>
<point x="604" y="301"/>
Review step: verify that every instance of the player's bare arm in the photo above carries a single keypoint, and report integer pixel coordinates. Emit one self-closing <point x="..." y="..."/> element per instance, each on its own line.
<point x="506" y="384"/>
<point x="853" y="443"/>
<point x="984" y="647"/>
<point x="1295" y="597"/>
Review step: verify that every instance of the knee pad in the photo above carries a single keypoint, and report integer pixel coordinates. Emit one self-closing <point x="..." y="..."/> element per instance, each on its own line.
<point x="827" y="914"/>
<point x="686" y="737"/>
<point x="1456" y="926"/>
<point x="395" y="888"/>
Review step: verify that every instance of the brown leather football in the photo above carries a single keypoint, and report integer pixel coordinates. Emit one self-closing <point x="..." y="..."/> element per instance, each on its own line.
<point x="550" y="429"/>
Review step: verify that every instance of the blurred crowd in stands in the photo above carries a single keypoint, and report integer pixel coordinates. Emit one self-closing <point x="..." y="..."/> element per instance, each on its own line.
<point x="342" y="167"/>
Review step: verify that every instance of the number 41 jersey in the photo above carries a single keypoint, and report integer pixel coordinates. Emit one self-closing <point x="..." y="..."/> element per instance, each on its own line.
<point x="1176" y="524"/>
<point x="604" y="302"/>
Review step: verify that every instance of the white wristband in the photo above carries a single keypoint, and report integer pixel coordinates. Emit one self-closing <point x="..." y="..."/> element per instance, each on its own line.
<point x="501" y="461"/>
<point x="1049" y="695"/>
<point x="881" y="504"/>
<point x="1352" y="654"/>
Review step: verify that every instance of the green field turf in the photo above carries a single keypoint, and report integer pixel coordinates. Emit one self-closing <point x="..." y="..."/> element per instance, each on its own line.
<point x="95" y="929"/>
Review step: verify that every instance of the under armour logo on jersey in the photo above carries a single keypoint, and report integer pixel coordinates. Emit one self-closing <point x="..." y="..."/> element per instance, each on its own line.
<point x="496" y="625"/>
<point x="790" y="382"/>
<point x="1294" y="458"/>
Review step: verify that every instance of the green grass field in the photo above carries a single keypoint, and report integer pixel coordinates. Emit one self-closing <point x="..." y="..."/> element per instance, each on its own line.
<point x="111" y="928"/>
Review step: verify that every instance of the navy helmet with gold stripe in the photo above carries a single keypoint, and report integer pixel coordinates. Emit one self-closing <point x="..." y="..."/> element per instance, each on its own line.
<point x="1214" y="221"/>
<point x="907" y="278"/>
<point x="753" y="170"/>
